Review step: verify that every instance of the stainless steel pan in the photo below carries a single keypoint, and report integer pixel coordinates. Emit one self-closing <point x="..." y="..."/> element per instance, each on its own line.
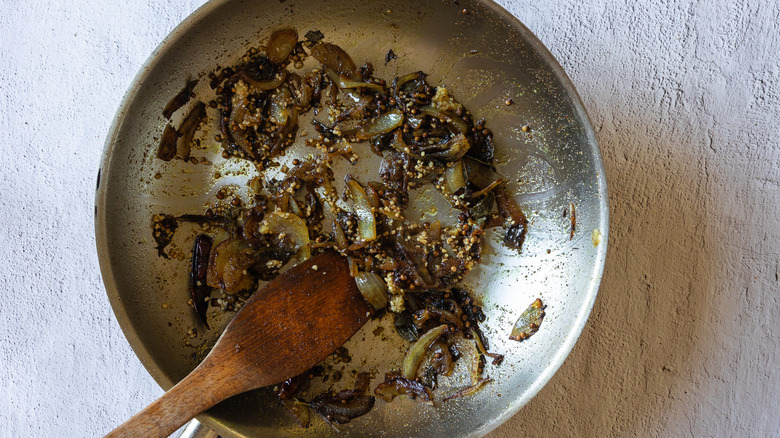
<point x="485" y="56"/>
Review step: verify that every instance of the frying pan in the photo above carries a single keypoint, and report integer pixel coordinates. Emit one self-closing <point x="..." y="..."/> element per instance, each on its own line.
<point x="485" y="56"/>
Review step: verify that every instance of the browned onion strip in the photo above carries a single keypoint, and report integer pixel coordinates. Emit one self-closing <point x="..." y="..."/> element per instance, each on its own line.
<point x="399" y="145"/>
<point x="355" y="111"/>
<point x="454" y="178"/>
<point x="469" y="390"/>
<point x="487" y="189"/>
<point x="518" y="224"/>
<point x="228" y="266"/>
<point x="508" y="207"/>
<point x="573" y="217"/>
<point x="353" y="267"/>
<point x="339" y="236"/>
<point x="441" y="358"/>
<point x="271" y="84"/>
<point x="453" y="150"/>
<point x="441" y="315"/>
<point x="373" y="288"/>
<point x="188" y="128"/>
<point x="417" y="352"/>
<point x="395" y="385"/>
<point x="497" y="358"/>
<point x="366" y="220"/>
<point x="398" y="83"/>
<point x="373" y="197"/>
<point x="166" y="151"/>
<point x="381" y="124"/>
<point x="289" y="230"/>
<point x="295" y="208"/>
<point x="180" y="99"/>
<point x="342" y="407"/>
<point x="335" y="58"/>
<point x="451" y="119"/>
<point x="280" y="44"/>
<point x="345" y="85"/>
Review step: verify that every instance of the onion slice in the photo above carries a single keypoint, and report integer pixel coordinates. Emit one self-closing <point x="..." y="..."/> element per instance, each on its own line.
<point x="290" y="231"/>
<point x="335" y="58"/>
<point x="381" y="124"/>
<point x="469" y="390"/>
<point x="455" y="148"/>
<point x="373" y="288"/>
<point x="188" y="128"/>
<point x="366" y="220"/>
<point x="167" y="149"/>
<point x="280" y="44"/>
<point x="228" y="266"/>
<point x="416" y="354"/>
<point x="395" y="385"/>
<point x="454" y="178"/>
<point x="453" y="120"/>
<point x="270" y="84"/>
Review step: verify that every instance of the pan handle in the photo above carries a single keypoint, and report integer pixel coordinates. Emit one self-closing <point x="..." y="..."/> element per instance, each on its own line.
<point x="194" y="429"/>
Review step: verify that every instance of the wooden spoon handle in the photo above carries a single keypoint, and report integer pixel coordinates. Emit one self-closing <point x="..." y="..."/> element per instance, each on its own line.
<point x="193" y="395"/>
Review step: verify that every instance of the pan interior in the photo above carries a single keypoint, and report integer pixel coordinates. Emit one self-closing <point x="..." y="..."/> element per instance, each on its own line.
<point x="484" y="56"/>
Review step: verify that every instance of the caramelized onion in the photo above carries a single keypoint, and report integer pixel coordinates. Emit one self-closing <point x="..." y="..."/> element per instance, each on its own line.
<point x="366" y="220"/>
<point x="228" y="265"/>
<point x="270" y="84"/>
<point x="280" y="44"/>
<point x="400" y="146"/>
<point x="180" y="99"/>
<point x="488" y="189"/>
<point x="454" y="149"/>
<point x="278" y="109"/>
<point x="373" y="288"/>
<point x="381" y="124"/>
<point x="395" y="385"/>
<point x="342" y="407"/>
<point x="508" y="208"/>
<point x="469" y="390"/>
<point x="188" y="128"/>
<point x="335" y="58"/>
<point x="440" y="315"/>
<point x="166" y="151"/>
<point x="287" y="230"/>
<point x="453" y="120"/>
<point x="479" y="173"/>
<point x="416" y="353"/>
<point x="454" y="178"/>
<point x="339" y="236"/>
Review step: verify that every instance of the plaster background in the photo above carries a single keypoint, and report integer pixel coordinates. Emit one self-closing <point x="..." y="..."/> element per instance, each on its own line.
<point x="685" y="98"/>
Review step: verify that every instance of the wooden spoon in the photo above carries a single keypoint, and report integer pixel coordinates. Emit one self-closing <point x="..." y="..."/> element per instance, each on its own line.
<point x="290" y="325"/>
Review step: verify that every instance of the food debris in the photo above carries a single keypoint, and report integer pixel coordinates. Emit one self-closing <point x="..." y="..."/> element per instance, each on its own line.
<point x="529" y="322"/>
<point x="596" y="237"/>
<point x="390" y="56"/>
<point x="573" y="218"/>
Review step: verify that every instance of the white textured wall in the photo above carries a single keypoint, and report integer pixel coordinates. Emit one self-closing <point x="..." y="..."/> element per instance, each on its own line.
<point x="685" y="97"/>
